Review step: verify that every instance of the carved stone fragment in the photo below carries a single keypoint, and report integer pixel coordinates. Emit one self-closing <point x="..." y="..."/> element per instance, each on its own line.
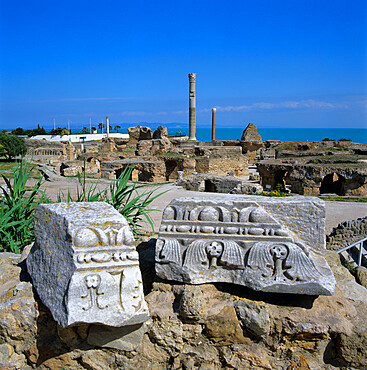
<point x="84" y="265"/>
<point x="273" y="245"/>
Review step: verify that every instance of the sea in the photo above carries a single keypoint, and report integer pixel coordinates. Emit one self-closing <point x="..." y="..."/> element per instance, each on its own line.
<point x="283" y="134"/>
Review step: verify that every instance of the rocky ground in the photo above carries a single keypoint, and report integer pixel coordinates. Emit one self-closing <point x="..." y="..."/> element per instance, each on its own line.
<point x="211" y="326"/>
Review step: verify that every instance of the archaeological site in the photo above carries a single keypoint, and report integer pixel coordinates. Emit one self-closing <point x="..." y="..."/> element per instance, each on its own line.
<point x="247" y="267"/>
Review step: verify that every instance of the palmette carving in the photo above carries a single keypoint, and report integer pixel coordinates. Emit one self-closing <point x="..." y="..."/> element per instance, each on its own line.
<point x="93" y="293"/>
<point x="241" y="240"/>
<point x="282" y="262"/>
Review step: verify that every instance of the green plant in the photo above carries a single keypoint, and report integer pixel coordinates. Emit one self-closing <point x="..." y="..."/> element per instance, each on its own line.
<point x="344" y="139"/>
<point x="12" y="146"/>
<point x="17" y="207"/>
<point x="133" y="206"/>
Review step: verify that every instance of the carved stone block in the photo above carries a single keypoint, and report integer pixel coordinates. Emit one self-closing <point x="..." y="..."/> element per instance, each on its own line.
<point x="84" y="265"/>
<point x="268" y="244"/>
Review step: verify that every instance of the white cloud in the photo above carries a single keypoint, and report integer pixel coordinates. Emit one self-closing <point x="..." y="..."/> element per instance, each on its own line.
<point x="310" y="103"/>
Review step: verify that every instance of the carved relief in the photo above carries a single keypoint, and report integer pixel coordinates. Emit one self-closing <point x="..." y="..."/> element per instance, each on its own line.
<point x="282" y="262"/>
<point x="211" y="254"/>
<point x="93" y="293"/>
<point x="239" y="240"/>
<point x="94" y="236"/>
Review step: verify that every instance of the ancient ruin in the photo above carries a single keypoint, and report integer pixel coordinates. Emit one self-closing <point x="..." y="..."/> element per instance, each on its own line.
<point x="192" y="107"/>
<point x="272" y="245"/>
<point x="84" y="265"/>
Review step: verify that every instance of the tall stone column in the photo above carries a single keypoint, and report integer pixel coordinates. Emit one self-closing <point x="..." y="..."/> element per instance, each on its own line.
<point x="192" y="107"/>
<point x="213" y="123"/>
<point x="108" y="127"/>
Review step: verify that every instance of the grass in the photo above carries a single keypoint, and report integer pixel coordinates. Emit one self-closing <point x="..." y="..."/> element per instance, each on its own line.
<point x="344" y="199"/>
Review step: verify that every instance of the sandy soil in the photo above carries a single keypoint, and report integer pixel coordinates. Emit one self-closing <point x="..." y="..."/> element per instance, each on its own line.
<point x="336" y="212"/>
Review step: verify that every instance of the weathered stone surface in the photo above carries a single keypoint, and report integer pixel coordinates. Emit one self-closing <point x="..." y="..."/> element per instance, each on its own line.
<point x="250" y="134"/>
<point x="10" y="359"/>
<point x="254" y="317"/>
<point x="139" y="133"/>
<point x="84" y="265"/>
<point x="18" y="312"/>
<point x="267" y="244"/>
<point x="127" y="338"/>
<point x="361" y="276"/>
<point x="160" y="133"/>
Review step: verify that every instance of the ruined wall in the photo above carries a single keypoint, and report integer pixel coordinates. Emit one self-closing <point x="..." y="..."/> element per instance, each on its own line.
<point x="307" y="179"/>
<point x="222" y="166"/>
<point x="347" y="233"/>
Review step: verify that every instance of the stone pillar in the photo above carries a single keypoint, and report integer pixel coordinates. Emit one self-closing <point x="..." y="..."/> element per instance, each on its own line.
<point x="213" y="123"/>
<point x="107" y="127"/>
<point x="192" y="107"/>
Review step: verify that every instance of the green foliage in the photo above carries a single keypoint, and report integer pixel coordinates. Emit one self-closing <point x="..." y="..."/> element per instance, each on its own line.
<point x="343" y="139"/>
<point x="279" y="192"/>
<point x="94" y="129"/>
<point x="101" y="126"/>
<point x="85" y="130"/>
<point x="327" y="139"/>
<point x="117" y="128"/>
<point x="17" y="207"/>
<point x="18" y="131"/>
<point x="132" y="205"/>
<point x="344" y="199"/>
<point x="12" y="146"/>
<point x="83" y="193"/>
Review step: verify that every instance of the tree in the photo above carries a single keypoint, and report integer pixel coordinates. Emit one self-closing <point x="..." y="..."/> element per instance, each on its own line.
<point x="11" y="146"/>
<point x="85" y="130"/>
<point x="56" y="131"/>
<point x="18" y="131"/>
<point x="117" y="128"/>
<point x="101" y="126"/>
<point x="94" y="129"/>
<point x="65" y="132"/>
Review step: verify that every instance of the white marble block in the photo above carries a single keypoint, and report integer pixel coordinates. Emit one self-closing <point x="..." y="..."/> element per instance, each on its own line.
<point x="267" y="244"/>
<point x="84" y="265"/>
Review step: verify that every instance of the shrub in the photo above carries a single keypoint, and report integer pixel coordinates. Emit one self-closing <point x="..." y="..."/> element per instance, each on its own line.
<point x="133" y="206"/>
<point x="17" y="207"/>
<point x="12" y="146"/>
<point x="343" y="139"/>
<point x="327" y="139"/>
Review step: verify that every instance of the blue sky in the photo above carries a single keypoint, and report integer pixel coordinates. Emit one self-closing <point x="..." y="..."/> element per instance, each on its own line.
<point x="299" y="63"/>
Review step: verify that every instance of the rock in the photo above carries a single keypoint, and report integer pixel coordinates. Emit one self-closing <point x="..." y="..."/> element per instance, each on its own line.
<point x="18" y="312"/>
<point x="167" y="334"/>
<point x="153" y="147"/>
<point x="160" y="133"/>
<point x="250" y="134"/>
<point x="361" y="276"/>
<point x="69" y="169"/>
<point x="246" y="241"/>
<point x="139" y="133"/>
<point x="126" y="338"/>
<point x="9" y="359"/>
<point x="84" y="265"/>
<point x="254" y="317"/>
<point x="224" y="328"/>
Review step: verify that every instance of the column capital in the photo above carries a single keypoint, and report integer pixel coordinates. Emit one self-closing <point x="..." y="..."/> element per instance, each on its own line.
<point x="192" y="77"/>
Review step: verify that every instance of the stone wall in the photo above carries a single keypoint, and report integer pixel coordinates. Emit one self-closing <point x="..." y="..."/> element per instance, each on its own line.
<point x="307" y="179"/>
<point x="191" y="327"/>
<point x="347" y="233"/>
<point x="223" y="165"/>
<point x="148" y="171"/>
